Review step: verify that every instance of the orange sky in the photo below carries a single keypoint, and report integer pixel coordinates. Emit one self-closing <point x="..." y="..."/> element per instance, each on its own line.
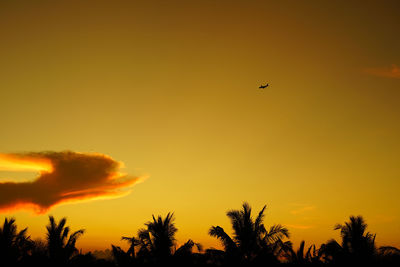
<point x="170" y="88"/>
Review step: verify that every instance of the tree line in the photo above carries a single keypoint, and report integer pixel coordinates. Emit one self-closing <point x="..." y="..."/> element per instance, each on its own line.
<point x="251" y="244"/>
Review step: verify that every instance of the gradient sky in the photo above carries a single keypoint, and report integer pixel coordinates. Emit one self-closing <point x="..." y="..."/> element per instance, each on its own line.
<point x="170" y="88"/>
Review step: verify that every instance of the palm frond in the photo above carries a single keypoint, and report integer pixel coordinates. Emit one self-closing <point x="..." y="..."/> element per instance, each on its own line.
<point x="258" y="223"/>
<point x="389" y="250"/>
<point x="276" y="232"/>
<point x="219" y="233"/>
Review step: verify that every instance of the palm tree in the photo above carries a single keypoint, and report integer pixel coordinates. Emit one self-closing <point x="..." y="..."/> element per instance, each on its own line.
<point x="299" y="257"/>
<point x="158" y="238"/>
<point x="389" y="256"/>
<point x="60" y="243"/>
<point x="13" y="244"/>
<point x="332" y="252"/>
<point x="389" y="250"/>
<point x="187" y="248"/>
<point x="357" y="244"/>
<point x="133" y="242"/>
<point x="184" y="255"/>
<point x="121" y="258"/>
<point x="250" y="238"/>
<point x="127" y="258"/>
<point x="39" y="253"/>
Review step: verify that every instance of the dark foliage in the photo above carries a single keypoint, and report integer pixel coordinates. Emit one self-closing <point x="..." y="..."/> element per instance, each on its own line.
<point x="250" y="244"/>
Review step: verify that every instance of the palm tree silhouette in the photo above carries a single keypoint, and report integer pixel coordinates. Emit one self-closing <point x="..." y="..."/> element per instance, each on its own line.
<point x="13" y="244"/>
<point x="355" y="239"/>
<point x="121" y="258"/>
<point x="184" y="255"/>
<point x="389" y="250"/>
<point x="127" y="258"/>
<point x="158" y="238"/>
<point x="357" y="244"/>
<point x="299" y="257"/>
<point x="133" y="242"/>
<point x="61" y="244"/>
<point x="38" y="253"/>
<point x="388" y="255"/>
<point x="156" y="244"/>
<point x="187" y="248"/>
<point x="250" y="239"/>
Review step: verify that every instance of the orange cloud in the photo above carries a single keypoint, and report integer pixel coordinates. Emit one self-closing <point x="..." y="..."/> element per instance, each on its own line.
<point x="302" y="209"/>
<point x="63" y="177"/>
<point x="298" y="226"/>
<point x="389" y="72"/>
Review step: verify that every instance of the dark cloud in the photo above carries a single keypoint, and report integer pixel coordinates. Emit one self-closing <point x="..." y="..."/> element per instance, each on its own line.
<point x="64" y="176"/>
<point x="388" y="72"/>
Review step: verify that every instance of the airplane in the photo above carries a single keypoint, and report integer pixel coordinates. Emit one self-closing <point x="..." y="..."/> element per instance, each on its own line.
<point x="264" y="86"/>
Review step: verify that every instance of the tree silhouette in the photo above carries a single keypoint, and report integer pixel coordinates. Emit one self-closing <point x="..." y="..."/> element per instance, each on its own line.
<point x="184" y="255"/>
<point x="158" y="238"/>
<point x="389" y="250"/>
<point x="156" y="243"/>
<point x="39" y="253"/>
<point x="357" y="244"/>
<point x="187" y="248"/>
<point x="251" y="244"/>
<point x="127" y="258"/>
<point x="61" y="244"/>
<point x="13" y="244"/>
<point x="133" y="242"/>
<point x="355" y="239"/>
<point x="121" y="258"/>
<point x="250" y="238"/>
<point x="312" y="255"/>
<point x="389" y="255"/>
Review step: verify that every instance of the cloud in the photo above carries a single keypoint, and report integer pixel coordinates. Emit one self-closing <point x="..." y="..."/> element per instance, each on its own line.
<point x="299" y="226"/>
<point x="63" y="177"/>
<point x="302" y="210"/>
<point x="389" y="72"/>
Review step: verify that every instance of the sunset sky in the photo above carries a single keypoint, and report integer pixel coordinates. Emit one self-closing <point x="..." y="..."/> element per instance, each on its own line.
<point x="165" y="93"/>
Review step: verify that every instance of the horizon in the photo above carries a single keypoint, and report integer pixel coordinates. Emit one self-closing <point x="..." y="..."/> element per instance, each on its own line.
<point x="227" y="228"/>
<point x="115" y="111"/>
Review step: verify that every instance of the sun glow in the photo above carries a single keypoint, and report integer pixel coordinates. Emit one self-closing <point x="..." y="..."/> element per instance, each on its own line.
<point x="14" y="163"/>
